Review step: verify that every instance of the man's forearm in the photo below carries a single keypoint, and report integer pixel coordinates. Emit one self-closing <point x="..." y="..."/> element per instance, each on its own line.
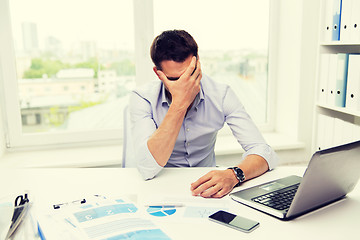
<point x="162" y="141"/>
<point x="253" y="165"/>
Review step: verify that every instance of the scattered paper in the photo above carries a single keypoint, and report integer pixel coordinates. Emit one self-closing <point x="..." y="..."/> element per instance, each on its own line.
<point x="99" y="218"/>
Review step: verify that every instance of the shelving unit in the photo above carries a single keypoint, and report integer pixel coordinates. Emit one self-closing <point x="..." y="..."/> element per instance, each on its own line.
<point x="333" y="125"/>
<point x="339" y="110"/>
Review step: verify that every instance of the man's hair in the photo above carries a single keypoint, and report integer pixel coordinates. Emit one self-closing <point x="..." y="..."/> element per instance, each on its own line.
<point x="175" y="45"/>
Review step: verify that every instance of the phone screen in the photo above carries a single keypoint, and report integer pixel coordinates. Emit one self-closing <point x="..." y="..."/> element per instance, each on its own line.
<point x="234" y="221"/>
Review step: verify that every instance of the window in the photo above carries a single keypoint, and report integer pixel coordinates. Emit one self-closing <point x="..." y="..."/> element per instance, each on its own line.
<point x="61" y="49"/>
<point x="68" y="66"/>
<point x="232" y="36"/>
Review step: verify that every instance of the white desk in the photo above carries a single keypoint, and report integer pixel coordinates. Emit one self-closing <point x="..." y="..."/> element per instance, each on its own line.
<point x="340" y="220"/>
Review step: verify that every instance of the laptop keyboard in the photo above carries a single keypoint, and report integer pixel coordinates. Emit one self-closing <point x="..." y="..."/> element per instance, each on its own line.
<point x="280" y="199"/>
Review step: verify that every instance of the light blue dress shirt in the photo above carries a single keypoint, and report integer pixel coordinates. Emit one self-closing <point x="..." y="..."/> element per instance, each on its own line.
<point x="215" y="105"/>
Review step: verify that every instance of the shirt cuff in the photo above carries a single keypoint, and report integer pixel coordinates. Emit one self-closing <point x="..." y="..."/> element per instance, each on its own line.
<point x="147" y="165"/>
<point x="267" y="153"/>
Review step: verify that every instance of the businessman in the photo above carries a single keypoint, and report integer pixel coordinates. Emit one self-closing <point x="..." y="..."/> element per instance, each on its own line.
<point x="175" y="120"/>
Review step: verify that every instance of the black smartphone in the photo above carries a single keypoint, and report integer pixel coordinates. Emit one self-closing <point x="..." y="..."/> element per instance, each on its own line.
<point x="234" y="221"/>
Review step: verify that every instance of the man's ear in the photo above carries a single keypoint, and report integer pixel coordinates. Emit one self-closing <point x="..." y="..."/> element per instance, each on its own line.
<point x="155" y="71"/>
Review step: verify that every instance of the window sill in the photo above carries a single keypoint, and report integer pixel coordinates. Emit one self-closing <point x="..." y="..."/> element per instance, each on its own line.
<point x="227" y="144"/>
<point x="111" y="155"/>
<point x="99" y="156"/>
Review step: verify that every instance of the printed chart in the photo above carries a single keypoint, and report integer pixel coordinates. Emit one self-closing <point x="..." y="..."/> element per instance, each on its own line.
<point x="161" y="211"/>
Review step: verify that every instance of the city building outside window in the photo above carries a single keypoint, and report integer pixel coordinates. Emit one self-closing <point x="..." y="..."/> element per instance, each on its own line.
<point x="75" y="62"/>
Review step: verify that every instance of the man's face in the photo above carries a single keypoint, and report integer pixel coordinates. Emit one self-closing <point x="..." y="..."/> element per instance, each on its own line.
<point x="173" y="70"/>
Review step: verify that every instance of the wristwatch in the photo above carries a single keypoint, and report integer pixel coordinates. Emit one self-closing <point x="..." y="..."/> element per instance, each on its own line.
<point x="239" y="175"/>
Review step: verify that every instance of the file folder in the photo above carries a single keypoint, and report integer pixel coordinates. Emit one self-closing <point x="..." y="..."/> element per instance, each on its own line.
<point x="320" y="142"/>
<point x="345" y="132"/>
<point x="353" y="83"/>
<point x="330" y="95"/>
<point x="341" y="79"/>
<point x="355" y="21"/>
<point x="345" y="21"/>
<point x="325" y="133"/>
<point x="327" y="20"/>
<point x="339" y="126"/>
<point x="329" y="132"/>
<point x="355" y="132"/>
<point x="350" y="132"/>
<point x="323" y="77"/>
<point x="336" y="20"/>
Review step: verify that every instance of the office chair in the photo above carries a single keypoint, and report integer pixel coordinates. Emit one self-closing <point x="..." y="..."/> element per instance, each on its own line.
<point x="128" y="156"/>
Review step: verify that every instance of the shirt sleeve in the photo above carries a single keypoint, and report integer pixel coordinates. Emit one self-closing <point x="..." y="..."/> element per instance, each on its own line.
<point x="245" y="130"/>
<point x="142" y="127"/>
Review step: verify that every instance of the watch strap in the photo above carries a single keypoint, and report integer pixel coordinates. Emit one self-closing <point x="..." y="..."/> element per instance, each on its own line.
<point x="239" y="175"/>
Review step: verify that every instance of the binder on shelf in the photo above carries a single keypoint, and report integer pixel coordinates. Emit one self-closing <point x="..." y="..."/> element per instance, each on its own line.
<point x="332" y="131"/>
<point x="355" y="21"/>
<point x="331" y="85"/>
<point x="323" y="77"/>
<point x="320" y="132"/>
<point x="325" y="133"/>
<point x="329" y="131"/>
<point x="327" y="21"/>
<point x="339" y="135"/>
<point x="337" y="117"/>
<point x="355" y="132"/>
<point x="353" y="83"/>
<point x="345" y="21"/>
<point x="348" y="132"/>
<point x="336" y="20"/>
<point x="341" y="79"/>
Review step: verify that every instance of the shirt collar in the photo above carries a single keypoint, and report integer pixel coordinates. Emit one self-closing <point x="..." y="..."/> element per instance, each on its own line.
<point x="164" y="98"/>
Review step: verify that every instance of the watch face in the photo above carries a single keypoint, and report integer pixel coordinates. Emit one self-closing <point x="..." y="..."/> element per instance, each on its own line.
<point x="240" y="174"/>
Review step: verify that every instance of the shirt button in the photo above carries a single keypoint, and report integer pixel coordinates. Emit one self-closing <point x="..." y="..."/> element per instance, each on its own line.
<point x="187" y="144"/>
<point x="187" y="129"/>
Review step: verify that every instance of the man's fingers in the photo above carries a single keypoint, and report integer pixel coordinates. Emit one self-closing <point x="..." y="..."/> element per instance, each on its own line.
<point x="198" y="72"/>
<point x="163" y="78"/>
<point x="161" y="75"/>
<point x="211" y="191"/>
<point x="204" y="184"/>
<point x="201" y="184"/>
<point x="215" y="184"/>
<point x="220" y="193"/>
<point x="191" y="67"/>
<point x="200" y="181"/>
<point x="203" y="188"/>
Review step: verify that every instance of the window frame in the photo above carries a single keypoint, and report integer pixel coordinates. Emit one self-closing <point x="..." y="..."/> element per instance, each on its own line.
<point x="144" y="34"/>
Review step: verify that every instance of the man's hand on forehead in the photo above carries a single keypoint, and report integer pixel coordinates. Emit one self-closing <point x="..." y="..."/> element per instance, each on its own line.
<point x="191" y="68"/>
<point x="184" y="89"/>
<point x="177" y="78"/>
<point x="197" y="60"/>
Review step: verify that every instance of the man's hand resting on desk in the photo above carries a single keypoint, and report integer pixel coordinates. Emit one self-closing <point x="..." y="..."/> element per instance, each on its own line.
<point x="216" y="184"/>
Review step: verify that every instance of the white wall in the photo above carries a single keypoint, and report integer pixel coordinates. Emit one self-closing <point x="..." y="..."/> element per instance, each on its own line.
<point x="288" y="70"/>
<point x="307" y="86"/>
<point x="2" y="135"/>
<point x="144" y="35"/>
<point x="2" y="91"/>
<point x="296" y="72"/>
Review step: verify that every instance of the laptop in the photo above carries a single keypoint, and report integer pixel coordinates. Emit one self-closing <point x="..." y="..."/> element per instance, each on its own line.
<point x="331" y="174"/>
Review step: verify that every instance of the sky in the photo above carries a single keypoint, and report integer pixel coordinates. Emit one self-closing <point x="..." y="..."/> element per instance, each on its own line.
<point x="215" y="24"/>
